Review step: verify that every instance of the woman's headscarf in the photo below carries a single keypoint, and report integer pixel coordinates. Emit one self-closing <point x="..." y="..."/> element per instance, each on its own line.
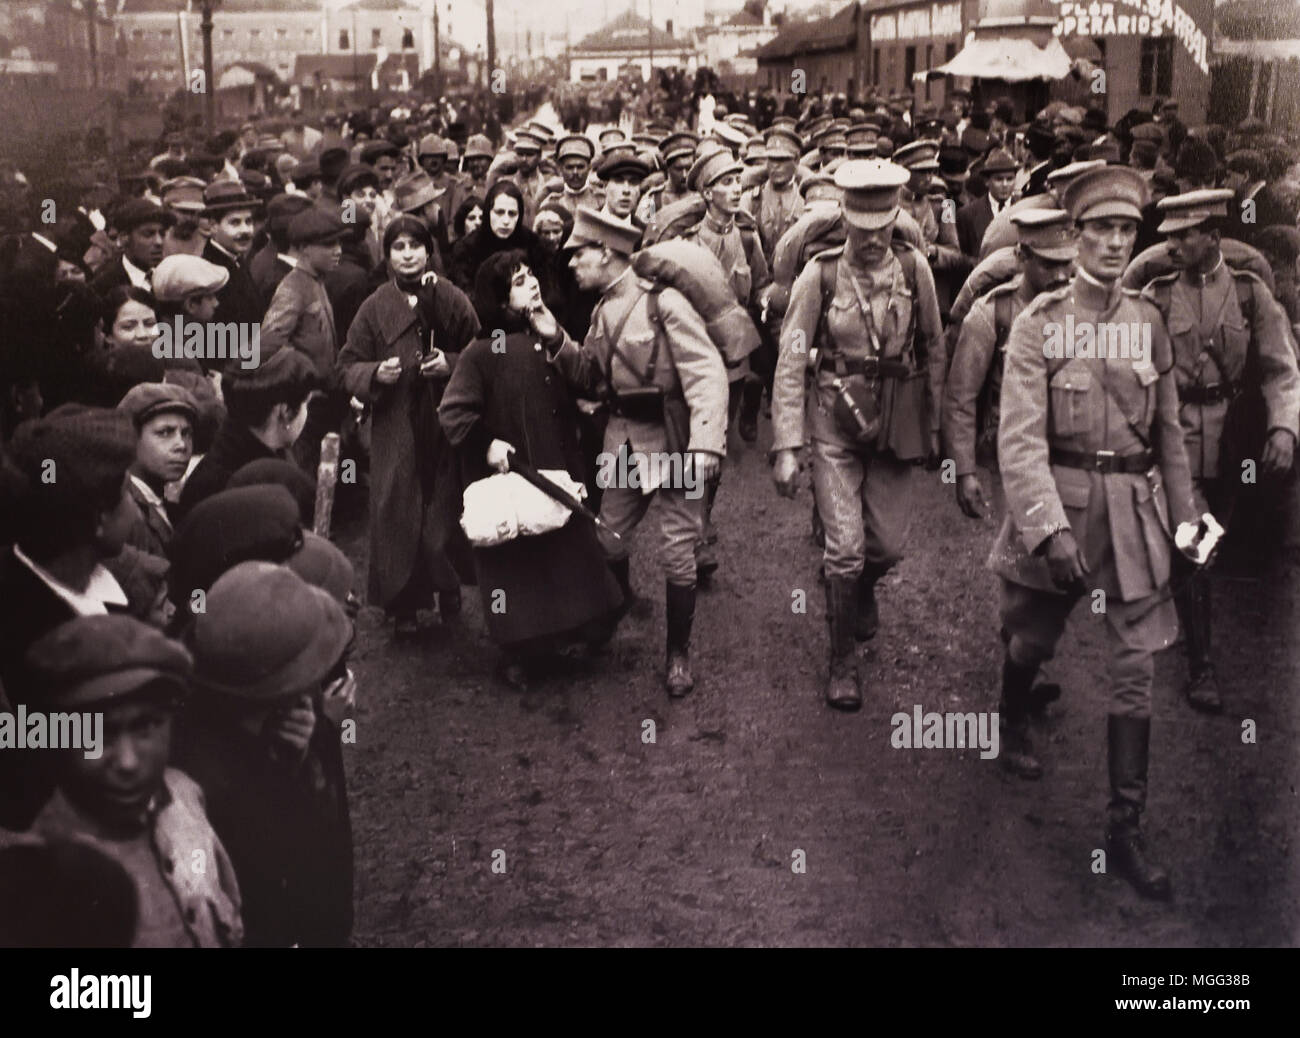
<point x="472" y="251"/>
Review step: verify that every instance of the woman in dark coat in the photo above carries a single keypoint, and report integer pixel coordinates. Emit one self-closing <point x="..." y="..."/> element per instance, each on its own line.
<point x="514" y="397"/>
<point x="502" y="230"/>
<point x="401" y="349"/>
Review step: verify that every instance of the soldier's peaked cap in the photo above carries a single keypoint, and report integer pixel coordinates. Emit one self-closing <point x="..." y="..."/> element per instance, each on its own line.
<point x="591" y="227"/>
<point x="870" y="189"/>
<point x="910" y="155"/>
<point x="675" y="145"/>
<point x="1109" y="191"/>
<point x="576" y="145"/>
<point x="1193" y="208"/>
<point x="1048" y="232"/>
<point x="783" y="142"/>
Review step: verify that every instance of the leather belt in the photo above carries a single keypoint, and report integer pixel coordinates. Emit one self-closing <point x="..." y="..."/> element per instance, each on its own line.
<point x="870" y="367"/>
<point x="1103" y="461"/>
<point x="1214" y="393"/>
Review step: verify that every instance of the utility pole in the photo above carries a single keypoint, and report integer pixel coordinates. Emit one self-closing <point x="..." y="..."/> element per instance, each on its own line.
<point x="491" y="42"/>
<point x="92" y="40"/>
<point x="437" y="55"/>
<point x="209" y="80"/>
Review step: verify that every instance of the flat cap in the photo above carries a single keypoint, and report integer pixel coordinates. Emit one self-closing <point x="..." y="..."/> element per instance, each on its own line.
<point x="999" y="160"/>
<point x="356" y="176"/>
<point x="1110" y="191"/>
<point x="373" y="151"/>
<point x="1193" y="208"/>
<point x="181" y="275"/>
<point x="90" y="447"/>
<point x="432" y="144"/>
<point x="304" y="172"/>
<point x="135" y="212"/>
<point x="1048" y="232"/>
<point x="575" y="145"/>
<point x="712" y="162"/>
<point x="675" y="145"/>
<point x="870" y="189"/>
<point x="150" y="399"/>
<point x="909" y="155"/>
<point x="317" y="226"/>
<point x="478" y="147"/>
<point x="622" y="163"/>
<point x="279" y="472"/>
<point x="183" y="193"/>
<point x="266" y="634"/>
<point x="283" y="208"/>
<point x="1153" y="132"/>
<point x="1248" y="161"/>
<point x="591" y="227"/>
<point x="95" y="659"/>
<point x="232" y="526"/>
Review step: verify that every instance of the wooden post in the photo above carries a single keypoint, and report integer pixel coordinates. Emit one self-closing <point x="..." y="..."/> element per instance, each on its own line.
<point x="327" y="475"/>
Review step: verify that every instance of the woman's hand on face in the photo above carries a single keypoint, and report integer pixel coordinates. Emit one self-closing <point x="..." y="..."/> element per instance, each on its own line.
<point x="498" y="455"/>
<point x="389" y="371"/>
<point x="435" y="365"/>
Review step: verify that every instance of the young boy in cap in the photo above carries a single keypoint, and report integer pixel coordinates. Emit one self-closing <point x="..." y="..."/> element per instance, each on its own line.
<point x="187" y="287"/>
<point x="1217" y="317"/>
<point x="268" y="650"/>
<point x="119" y="795"/>
<point x="266" y="410"/>
<point x="1097" y="481"/>
<point x="164" y="417"/>
<point x="601" y="261"/>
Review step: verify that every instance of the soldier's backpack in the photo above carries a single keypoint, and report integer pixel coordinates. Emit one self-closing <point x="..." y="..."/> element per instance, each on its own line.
<point x="676" y="218"/>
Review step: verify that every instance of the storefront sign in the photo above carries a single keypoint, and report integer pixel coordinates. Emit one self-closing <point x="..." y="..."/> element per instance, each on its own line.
<point x="1135" y="18"/>
<point x="918" y="23"/>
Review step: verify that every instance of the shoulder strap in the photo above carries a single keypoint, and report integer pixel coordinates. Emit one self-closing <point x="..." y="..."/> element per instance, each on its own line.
<point x="1001" y="320"/>
<point x="656" y="322"/>
<point x="614" y="351"/>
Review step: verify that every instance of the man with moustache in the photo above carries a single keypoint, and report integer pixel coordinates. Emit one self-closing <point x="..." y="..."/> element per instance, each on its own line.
<point x="574" y="154"/>
<point x="229" y="212"/>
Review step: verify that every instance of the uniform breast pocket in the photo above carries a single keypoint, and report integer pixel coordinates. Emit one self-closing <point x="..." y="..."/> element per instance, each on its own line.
<point x="1068" y="392"/>
<point x="634" y="349"/>
<point x="1236" y="341"/>
<point x="899" y="318"/>
<point x="844" y="323"/>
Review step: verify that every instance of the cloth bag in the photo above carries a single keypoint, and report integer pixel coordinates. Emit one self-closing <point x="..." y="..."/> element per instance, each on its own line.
<point x="504" y="506"/>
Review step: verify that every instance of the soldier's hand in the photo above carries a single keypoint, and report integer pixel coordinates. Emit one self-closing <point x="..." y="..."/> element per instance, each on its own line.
<point x="543" y="323"/>
<point x="1065" y="561"/>
<point x="706" y="465"/>
<point x="1279" y="452"/>
<point x="785" y="473"/>
<point x="970" y="497"/>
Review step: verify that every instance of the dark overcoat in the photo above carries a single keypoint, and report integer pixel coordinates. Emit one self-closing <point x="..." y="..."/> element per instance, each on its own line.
<point x="553" y="582"/>
<point x="403" y="518"/>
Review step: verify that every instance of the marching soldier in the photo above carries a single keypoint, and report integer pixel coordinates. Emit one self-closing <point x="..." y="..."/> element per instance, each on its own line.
<point x="971" y="396"/>
<point x="629" y="350"/>
<point x="678" y="152"/>
<point x="1218" y="317"/>
<point x="574" y="154"/>
<point x="1096" y="480"/>
<point x="868" y="310"/>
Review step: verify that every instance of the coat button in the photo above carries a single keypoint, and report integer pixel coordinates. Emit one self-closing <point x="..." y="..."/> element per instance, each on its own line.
<point x="537" y="346"/>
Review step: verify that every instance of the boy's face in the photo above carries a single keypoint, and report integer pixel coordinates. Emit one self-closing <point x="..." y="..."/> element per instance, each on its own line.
<point x="165" y="447"/>
<point x="116" y="787"/>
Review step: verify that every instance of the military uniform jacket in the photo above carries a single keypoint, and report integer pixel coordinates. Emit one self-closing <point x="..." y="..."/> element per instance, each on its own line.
<point x="689" y="364"/>
<point x="975" y="363"/>
<point x="656" y="199"/>
<point x="592" y="196"/>
<point x="1122" y="522"/>
<point x="1205" y="318"/>
<point x="775" y="212"/>
<point x="895" y="305"/>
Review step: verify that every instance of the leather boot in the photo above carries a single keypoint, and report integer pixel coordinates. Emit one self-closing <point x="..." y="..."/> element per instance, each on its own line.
<point x="1128" y="739"/>
<point x="681" y="615"/>
<point x="843" y="687"/>
<point x="1193" y="604"/>
<point x="632" y="603"/>
<point x="751" y="398"/>
<point x="868" y="618"/>
<point x="1017" y="754"/>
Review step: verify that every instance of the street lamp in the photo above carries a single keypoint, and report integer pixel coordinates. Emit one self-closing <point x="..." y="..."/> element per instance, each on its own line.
<point x="209" y="81"/>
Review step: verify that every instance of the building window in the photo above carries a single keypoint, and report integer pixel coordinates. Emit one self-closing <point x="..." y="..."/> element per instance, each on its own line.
<point x="228" y="34"/>
<point x="376" y="37"/>
<point x="137" y="35"/>
<point x="909" y="67"/>
<point x="165" y="34"/>
<point x="408" y="40"/>
<point x="343" y="39"/>
<point x="281" y="34"/>
<point x="254" y="33"/>
<point x="1156" y="67"/>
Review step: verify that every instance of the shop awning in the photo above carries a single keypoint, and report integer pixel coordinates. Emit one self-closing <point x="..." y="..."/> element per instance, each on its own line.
<point x="1010" y="58"/>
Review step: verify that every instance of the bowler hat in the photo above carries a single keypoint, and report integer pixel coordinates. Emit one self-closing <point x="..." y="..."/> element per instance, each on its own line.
<point x="224" y="196"/>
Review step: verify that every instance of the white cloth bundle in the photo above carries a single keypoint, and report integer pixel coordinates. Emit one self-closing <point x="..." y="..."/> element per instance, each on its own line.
<point x="505" y="506"/>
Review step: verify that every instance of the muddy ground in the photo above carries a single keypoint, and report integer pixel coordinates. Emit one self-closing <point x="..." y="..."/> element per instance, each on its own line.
<point x="690" y="840"/>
